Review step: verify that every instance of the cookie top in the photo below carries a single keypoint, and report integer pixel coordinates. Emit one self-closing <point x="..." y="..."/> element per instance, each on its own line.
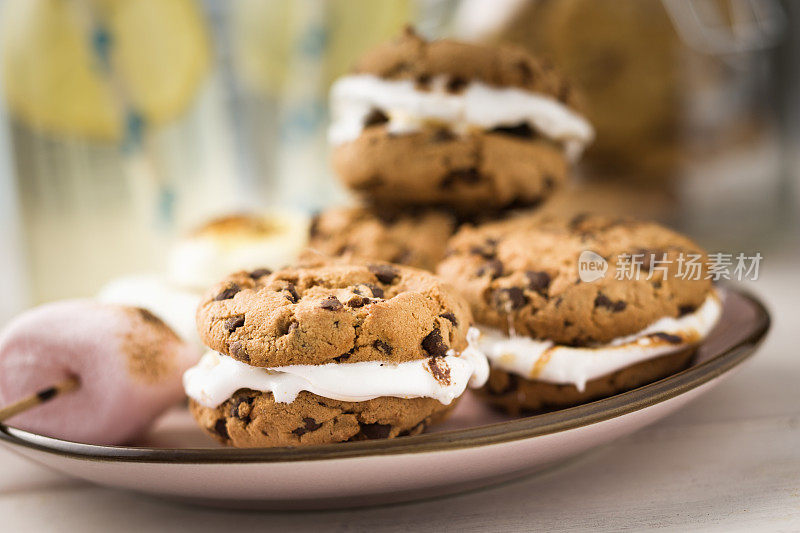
<point x="333" y="312"/>
<point x="522" y="273"/>
<point x="412" y="57"/>
<point x="411" y="237"/>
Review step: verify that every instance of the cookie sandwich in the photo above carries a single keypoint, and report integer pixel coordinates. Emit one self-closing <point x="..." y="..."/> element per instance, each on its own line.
<point x="557" y="335"/>
<point x="474" y="127"/>
<point x="413" y="237"/>
<point x="330" y="353"/>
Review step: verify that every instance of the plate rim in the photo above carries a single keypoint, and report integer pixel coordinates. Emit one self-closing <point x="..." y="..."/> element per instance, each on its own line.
<point x="497" y="433"/>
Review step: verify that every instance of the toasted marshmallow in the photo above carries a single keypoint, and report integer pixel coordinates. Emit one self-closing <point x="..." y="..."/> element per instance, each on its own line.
<point x="237" y="242"/>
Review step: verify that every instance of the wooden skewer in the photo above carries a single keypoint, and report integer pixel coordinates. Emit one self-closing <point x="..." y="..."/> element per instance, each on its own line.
<point x="43" y="396"/>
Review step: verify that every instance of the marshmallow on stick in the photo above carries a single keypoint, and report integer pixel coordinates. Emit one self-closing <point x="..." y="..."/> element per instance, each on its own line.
<point x="126" y="361"/>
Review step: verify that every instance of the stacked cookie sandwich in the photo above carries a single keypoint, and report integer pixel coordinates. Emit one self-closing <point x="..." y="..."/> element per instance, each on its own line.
<point x="330" y="353"/>
<point x="428" y="134"/>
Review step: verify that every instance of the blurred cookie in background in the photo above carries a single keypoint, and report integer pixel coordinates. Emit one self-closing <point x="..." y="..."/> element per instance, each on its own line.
<point x="667" y="84"/>
<point x="413" y="237"/>
<point x="471" y="127"/>
<point x="611" y="198"/>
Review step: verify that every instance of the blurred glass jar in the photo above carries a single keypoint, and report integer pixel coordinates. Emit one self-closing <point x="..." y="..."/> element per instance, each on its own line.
<point x="131" y="121"/>
<point x="680" y="93"/>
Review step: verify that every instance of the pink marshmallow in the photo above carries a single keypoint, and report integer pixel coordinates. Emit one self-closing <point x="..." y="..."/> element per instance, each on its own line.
<point x="128" y="361"/>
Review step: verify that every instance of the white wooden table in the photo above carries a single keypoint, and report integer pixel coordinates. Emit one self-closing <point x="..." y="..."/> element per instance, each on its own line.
<point x="730" y="461"/>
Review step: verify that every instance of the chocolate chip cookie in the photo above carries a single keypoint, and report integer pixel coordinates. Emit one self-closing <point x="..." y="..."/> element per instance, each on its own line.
<point x="254" y="419"/>
<point x="413" y="237"/>
<point x="330" y="352"/>
<point x="521" y="277"/>
<point x="522" y="273"/>
<point x="446" y="123"/>
<point x="333" y="313"/>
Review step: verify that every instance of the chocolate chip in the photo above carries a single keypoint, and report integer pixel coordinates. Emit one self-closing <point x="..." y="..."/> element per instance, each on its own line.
<point x="383" y="347"/>
<point x="238" y="352"/>
<point x="292" y="296"/>
<point x="331" y="303"/>
<point x="538" y="281"/>
<point x="241" y="406"/>
<point x="375" y="118"/>
<point x="493" y="267"/>
<point x="442" y="135"/>
<point x="525" y="71"/>
<point x="221" y="429"/>
<point x="343" y="357"/>
<point x="228" y="292"/>
<point x="684" y="310"/>
<point x="451" y="317"/>
<point x="357" y="301"/>
<point x="487" y="250"/>
<point x="234" y="322"/>
<point x="549" y="182"/>
<point x="604" y="301"/>
<point x="385" y="273"/>
<point x="564" y="92"/>
<point x="577" y="221"/>
<point x="260" y="273"/>
<point x="668" y="337"/>
<point x="455" y="84"/>
<point x="509" y="299"/>
<point x="376" y="431"/>
<point x="464" y="175"/>
<point x="423" y="82"/>
<point x="309" y="425"/>
<point x="522" y="131"/>
<point x="434" y="345"/>
<point x="601" y="300"/>
<point x="440" y="370"/>
<point x="647" y="257"/>
<point x="376" y="291"/>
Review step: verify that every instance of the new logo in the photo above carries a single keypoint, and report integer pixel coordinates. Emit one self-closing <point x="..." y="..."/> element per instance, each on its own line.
<point x="591" y="266"/>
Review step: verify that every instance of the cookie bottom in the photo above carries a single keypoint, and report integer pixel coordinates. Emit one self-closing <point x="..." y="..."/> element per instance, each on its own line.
<point x="252" y="419"/>
<point x="516" y="395"/>
<point x="474" y="173"/>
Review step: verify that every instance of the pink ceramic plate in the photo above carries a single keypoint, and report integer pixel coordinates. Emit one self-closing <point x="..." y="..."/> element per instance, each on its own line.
<point x="477" y="447"/>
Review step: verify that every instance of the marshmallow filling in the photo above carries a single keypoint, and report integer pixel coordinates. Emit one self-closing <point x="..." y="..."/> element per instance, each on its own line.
<point x="358" y="101"/>
<point x="542" y="360"/>
<point x="217" y="377"/>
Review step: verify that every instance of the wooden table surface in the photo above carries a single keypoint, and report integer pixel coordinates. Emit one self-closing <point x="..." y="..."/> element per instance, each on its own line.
<point x="729" y="461"/>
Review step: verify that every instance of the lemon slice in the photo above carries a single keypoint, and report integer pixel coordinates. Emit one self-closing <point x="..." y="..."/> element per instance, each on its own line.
<point x="55" y="81"/>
